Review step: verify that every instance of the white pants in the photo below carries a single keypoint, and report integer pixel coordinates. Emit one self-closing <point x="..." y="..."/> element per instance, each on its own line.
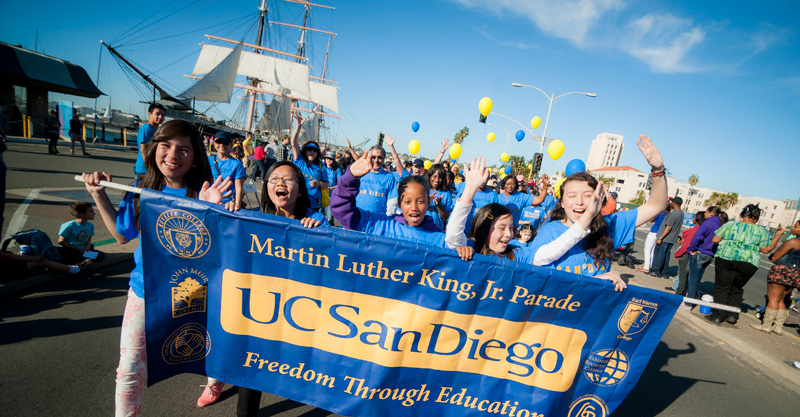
<point x="132" y="369"/>
<point x="649" y="248"/>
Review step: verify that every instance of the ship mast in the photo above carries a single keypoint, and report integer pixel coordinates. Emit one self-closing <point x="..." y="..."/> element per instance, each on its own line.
<point x="262" y="17"/>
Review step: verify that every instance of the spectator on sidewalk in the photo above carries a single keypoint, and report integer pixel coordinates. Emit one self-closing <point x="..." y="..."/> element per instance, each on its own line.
<point x="650" y="241"/>
<point x="702" y="249"/>
<point x="781" y="279"/>
<point x="155" y="116"/>
<point x="76" y="134"/>
<point x="53" y="129"/>
<point x="682" y="255"/>
<point x="667" y="236"/>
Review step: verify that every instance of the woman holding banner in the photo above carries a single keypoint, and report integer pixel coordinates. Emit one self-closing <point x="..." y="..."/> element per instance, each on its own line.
<point x="176" y="164"/>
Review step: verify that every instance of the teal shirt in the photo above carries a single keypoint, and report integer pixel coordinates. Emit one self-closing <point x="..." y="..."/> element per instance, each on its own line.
<point x="741" y="242"/>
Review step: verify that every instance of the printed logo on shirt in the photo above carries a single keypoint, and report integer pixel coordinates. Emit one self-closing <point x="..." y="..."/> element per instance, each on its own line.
<point x="588" y="406"/>
<point x="188" y="292"/>
<point x="189" y="343"/>
<point x="636" y="316"/>
<point x="606" y="367"/>
<point x="182" y="234"/>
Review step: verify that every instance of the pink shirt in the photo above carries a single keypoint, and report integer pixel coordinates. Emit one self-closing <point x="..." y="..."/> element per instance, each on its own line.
<point x="687" y="239"/>
<point x="259" y="153"/>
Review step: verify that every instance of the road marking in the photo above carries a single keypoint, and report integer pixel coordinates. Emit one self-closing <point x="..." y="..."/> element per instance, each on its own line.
<point x="18" y="220"/>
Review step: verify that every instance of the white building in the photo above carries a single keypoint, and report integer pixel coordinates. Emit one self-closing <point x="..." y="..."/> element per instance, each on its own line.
<point x="606" y="151"/>
<point x="627" y="181"/>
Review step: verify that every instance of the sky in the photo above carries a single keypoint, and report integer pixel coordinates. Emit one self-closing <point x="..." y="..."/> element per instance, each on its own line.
<point x="715" y="84"/>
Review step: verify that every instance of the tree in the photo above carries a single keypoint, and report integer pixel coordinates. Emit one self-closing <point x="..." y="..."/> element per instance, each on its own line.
<point x="723" y="200"/>
<point x="518" y="165"/>
<point x="693" y="180"/>
<point x="639" y="199"/>
<point x="608" y="181"/>
<point x="461" y="135"/>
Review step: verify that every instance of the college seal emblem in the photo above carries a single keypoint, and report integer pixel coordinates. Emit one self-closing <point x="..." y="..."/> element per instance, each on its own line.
<point x="189" y="343"/>
<point x="606" y="367"/>
<point x="182" y="234"/>
<point x="636" y="316"/>
<point x="588" y="406"/>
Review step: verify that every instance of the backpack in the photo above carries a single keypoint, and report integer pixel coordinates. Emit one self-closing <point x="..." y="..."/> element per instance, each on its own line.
<point x="37" y="241"/>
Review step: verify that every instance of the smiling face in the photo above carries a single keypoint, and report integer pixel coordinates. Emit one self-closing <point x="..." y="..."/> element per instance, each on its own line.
<point x="500" y="233"/>
<point x="577" y="197"/>
<point x="311" y="153"/>
<point x="283" y="189"/>
<point x="223" y="149"/>
<point x="510" y="185"/>
<point x="376" y="158"/>
<point x="435" y="180"/>
<point x="156" y="117"/>
<point x="414" y="203"/>
<point x="525" y="235"/>
<point x="174" y="158"/>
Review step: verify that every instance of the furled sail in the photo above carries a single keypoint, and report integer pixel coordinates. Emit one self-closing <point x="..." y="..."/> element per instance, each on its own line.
<point x="319" y="93"/>
<point x="217" y="85"/>
<point x="310" y="129"/>
<point x="265" y="68"/>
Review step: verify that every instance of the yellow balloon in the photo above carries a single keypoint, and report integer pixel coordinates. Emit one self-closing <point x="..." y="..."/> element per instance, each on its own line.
<point x="490" y="170"/>
<point x="485" y="106"/>
<point x="530" y="166"/>
<point x="414" y="146"/>
<point x="503" y="175"/>
<point x="504" y="157"/>
<point x="557" y="187"/>
<point x="455" y="151"/>
<point x="490" y="137"/>
<point x="427" y="164"/>
<point x="536" y="121"/>
<point x="555" y="149"/>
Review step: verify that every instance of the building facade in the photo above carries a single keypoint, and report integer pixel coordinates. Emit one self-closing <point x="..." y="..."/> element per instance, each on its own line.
<point x="606" y="151"/>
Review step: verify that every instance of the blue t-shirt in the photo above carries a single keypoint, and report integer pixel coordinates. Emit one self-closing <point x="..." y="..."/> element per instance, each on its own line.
<point x="515" y="202"/>
<point x="76" y="234"/>
<point x="312" y="172"/>
<point x="548" y="204"/>
<point x="126" y="226"/>
<point x="383" y="225"/>
<point x="657" y="222"/>
<point x="398" y="177"/>
<point x="447" y="203"/>
<point x="533" y="215"/>
<point x="577" y="261"/>
<point x="333" y="175"/>
<point x="517" y="244"/>
<point x="145" y="133"/>
<point x="482" y="198"/>
<point x="375" y="191"/>
<point x="230" y="167"/>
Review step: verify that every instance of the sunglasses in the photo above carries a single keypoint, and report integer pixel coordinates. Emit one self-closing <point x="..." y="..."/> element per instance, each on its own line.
<point x="375" y="157"/>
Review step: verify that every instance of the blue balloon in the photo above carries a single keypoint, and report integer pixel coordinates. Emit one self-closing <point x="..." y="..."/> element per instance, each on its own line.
<point x="520" y="135"/>
<point x="415" y="126"/>
<point x="461" y="172"/>
<point x="508" y="169"/>
<point x="575" y="166"/>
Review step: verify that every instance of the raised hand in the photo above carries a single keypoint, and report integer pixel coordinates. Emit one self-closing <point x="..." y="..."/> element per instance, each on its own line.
<point x="215" y="192"/>
<point x="650" y="152"/>
<point x="361" y="166"/>
<point x="298" y="116"/>
<point x="476" y="174"/>
<point x="445" y="142"/>
<point x="389" y="140"/>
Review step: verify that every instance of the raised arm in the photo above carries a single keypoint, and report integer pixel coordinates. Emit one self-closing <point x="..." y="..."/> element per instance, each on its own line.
<point x="343" y="200"/>
<point x="398" y="163"/>
<point x="774" y="243"/>
<point x="353" y="152"/>
<point x="475" y="175"/>
<point x="438" y="159"/>
<point x="296" y="134"/>
<point x="658" y="192"/>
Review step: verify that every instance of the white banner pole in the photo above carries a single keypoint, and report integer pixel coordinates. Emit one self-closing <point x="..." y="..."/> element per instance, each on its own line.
<point x="723" y="307"/>
<point x="114" y="185"/>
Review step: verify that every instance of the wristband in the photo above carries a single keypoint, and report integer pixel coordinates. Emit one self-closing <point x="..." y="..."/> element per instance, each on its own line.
<point x="659" y="173"/>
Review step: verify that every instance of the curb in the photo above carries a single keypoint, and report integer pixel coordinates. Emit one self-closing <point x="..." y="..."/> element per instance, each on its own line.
<point x="35" y="280"/>
<point x="103" y="145"/>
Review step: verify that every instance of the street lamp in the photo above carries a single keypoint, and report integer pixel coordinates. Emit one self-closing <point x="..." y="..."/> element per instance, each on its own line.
<point x="552" y="100"/>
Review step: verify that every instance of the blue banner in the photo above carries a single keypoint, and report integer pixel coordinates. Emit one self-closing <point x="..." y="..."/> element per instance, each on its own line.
<point x="365" y="325"/>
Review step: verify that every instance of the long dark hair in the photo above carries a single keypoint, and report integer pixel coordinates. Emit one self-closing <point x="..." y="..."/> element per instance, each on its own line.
<point x="438" y="169"/>
<point x="598" y="244"/>
<point x="482" y="224"/>
<point x="197" y="175"/>
<point x="302" y="203"/>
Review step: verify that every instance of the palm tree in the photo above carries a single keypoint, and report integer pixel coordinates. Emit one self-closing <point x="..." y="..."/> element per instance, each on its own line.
<point x="461" y="135"/>
<point x="608" y="181"/>
<point x="639" y="199"/>
<point x="723" y="200"/>
<point x="693" y="180"/>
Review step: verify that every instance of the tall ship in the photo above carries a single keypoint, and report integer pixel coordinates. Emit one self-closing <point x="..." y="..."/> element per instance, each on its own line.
<point x="267" y="74"/>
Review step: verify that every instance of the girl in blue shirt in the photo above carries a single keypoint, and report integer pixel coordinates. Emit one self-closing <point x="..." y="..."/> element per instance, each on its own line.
<point x="176" y="164"/>
<point x="441" y="199"/>
<point x="308" y="160"/>
<point x="578" y="215"/>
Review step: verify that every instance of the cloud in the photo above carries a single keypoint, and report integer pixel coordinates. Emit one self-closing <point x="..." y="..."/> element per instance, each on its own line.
<point x="663" y="42"/>
<point x="567" y="19"/>
<point x="520" y="45"/>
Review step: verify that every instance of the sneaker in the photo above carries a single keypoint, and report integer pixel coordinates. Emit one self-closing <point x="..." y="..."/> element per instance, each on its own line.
<point x="797" y="365"/>
<point x="210" y="395"/>
<point x="87" y="154"/>
<point x="72" y="151"/>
